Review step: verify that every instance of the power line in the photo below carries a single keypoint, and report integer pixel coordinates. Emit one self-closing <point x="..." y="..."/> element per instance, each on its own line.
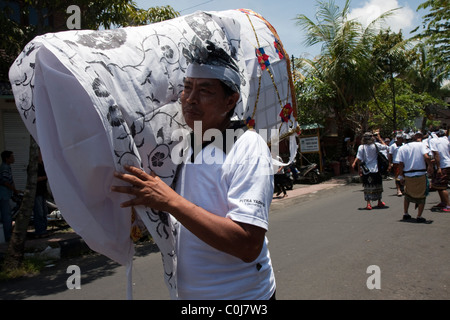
<point x="198" y="5"/>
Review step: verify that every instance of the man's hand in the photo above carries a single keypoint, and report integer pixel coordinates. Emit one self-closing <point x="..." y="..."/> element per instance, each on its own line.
<point x="148" y="189"/>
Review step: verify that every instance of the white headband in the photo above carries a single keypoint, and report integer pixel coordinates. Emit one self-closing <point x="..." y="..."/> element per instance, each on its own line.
<point x="206" y="71"/>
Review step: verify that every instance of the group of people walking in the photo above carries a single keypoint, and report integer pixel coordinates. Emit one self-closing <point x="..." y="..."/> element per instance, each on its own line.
<point x="414" y="159"/>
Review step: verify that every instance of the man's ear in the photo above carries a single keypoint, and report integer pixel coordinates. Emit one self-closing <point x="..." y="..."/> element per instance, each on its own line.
<point x="232" y="101"/>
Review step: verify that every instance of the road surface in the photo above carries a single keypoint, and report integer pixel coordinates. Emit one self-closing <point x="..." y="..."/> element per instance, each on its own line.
<point x="323" y="246"/>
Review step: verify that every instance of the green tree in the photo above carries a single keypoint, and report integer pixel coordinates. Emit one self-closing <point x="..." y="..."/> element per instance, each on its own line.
<point x="390" y="57"/>
<point x="344" y="64"/>
<point x="426" y="77"/>
<point x="410" y="105"/>
<point x="51" y="16"/>
<point x="436" y="32"/>
<point x="313" y="95"/>
<point x="423" y="72"/>
<point x="16" y="247"/>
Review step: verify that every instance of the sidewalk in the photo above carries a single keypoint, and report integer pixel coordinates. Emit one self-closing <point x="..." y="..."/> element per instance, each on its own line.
<point x="71" y="244"/>
<point x="302" y="189"/>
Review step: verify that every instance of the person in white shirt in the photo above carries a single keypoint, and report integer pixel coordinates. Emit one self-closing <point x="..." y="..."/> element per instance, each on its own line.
<point x="414" y="164"/>
<point x="372" y="179"/>
<point x="393" y="149"/>
<point x="222" y="195"/>
<point x="440" y="148"/>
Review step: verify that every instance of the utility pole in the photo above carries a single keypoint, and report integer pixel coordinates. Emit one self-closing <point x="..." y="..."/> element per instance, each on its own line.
<point x="293" y="67"/>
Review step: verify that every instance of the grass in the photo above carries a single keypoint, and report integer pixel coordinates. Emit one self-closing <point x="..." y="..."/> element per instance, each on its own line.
<point x="31" y="266"/>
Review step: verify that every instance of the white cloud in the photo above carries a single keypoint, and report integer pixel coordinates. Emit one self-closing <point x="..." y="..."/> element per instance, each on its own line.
<point x="400" y="19"/>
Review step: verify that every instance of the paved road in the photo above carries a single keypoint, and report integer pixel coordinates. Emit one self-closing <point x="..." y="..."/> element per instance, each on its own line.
<point x="322" y="246"/>
<point x="321" y="243"/>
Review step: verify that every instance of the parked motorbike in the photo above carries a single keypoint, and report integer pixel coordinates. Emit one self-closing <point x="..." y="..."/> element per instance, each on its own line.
<point x="53" y="212"/>
<point x="309" y="173"/>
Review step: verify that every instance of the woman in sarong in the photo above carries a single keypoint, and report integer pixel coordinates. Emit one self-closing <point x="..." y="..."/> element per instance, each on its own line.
<point x="368" y="168"/>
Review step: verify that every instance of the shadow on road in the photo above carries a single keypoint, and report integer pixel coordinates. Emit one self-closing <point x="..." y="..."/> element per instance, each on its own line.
<point x="52" y="279"/>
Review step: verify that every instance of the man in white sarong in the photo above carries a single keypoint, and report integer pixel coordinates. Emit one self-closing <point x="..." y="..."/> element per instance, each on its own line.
<point x="223" y="191"/>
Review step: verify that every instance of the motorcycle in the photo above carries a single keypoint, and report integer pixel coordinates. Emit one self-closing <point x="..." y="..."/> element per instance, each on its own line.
<point x="53" y="212"/>
<point x="309" y="173"/>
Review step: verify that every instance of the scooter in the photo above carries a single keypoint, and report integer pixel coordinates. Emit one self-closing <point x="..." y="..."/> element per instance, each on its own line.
<point x="309" y="173"/>
<point x="53" y="212"/>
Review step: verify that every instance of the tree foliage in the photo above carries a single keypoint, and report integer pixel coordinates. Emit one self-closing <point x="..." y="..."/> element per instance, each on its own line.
<point x="436" y="31"/>
<point x="410" y="105"/>
<point x="344" y="68"/>
<point x="51" y="15"/>
<point x="369" y="78"/>
<point x="390" y="58"/>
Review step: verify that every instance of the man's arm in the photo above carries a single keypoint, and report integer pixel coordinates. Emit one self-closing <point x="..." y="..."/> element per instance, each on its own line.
<point x="241" y="240"/>
<point x="437" y="162"/>
<point x="391" y="159"/>
<point x="4" y="182"/>
<point x="401" y="166"/>
<point x="430" y="167"/>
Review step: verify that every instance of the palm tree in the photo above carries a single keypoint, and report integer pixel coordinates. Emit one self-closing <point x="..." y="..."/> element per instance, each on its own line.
<point x="390" y="55"/>
<point x="344" y="63"/>
<point x="426" y="74"/>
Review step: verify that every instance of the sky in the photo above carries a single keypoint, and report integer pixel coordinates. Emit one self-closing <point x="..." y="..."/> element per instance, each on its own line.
<point x="281" y="14"/>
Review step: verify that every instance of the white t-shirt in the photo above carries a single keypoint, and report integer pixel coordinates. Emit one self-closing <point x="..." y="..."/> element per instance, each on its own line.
<point x="441" y="145"/>
<point x="240" y="188"/>
<point x="393" y="149"/>
<point x="426" y="142"/>
<point x="367" y="153"/>
<point x="412" y="156"/>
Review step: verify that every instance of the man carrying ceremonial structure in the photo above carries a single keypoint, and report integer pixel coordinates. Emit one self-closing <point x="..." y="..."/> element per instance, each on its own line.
<point x="222" y="207"/>
<point x="115" y="104"/>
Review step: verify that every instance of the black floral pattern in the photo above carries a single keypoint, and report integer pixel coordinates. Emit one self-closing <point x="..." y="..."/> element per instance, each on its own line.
<point x="115" y="116"/>
<point x="161" y="218"/>
<point x="99" y="88"/>
<point x="167" y="52"/>
<point x="158" y="159"/>
<point x="103" y="40"/>
<point x="198" y="24"/>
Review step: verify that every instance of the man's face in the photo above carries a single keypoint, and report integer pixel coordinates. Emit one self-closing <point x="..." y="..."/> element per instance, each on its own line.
<point x="10" y="159"/>
<point x="205" y="100"/>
